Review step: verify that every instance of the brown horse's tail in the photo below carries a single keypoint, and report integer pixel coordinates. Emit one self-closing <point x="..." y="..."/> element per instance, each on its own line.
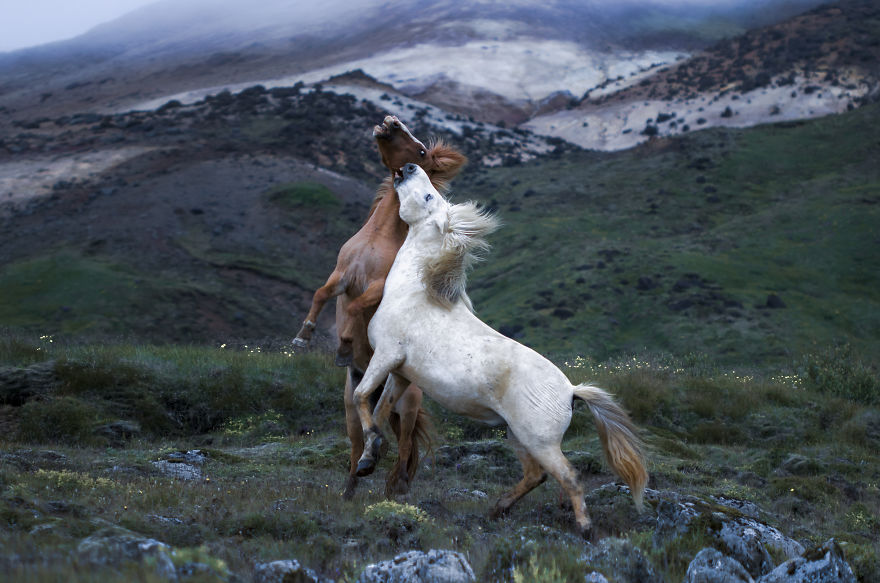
<point x="623" y="448"/>
<point x="423" y="434"/>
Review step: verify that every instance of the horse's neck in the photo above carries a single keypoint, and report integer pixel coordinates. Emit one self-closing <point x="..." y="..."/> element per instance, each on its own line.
<point x="385" y="222"/>
<point x="406" y="272"/>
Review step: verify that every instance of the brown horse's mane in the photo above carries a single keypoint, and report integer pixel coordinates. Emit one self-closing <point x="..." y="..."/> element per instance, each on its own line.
<point x="445" y="274"/>
<point x="443" y="162"/>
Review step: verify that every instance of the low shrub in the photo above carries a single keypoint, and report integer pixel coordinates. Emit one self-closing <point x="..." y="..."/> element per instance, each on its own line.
<point x="840" y="371"/>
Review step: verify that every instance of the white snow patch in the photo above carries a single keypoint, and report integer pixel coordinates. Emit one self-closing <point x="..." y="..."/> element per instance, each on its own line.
<point x="519" y="70"/>
<point x="618" y="126"/>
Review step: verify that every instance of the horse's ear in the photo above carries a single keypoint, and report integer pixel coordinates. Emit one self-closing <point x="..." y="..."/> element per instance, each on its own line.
<point x="445" y="162"/>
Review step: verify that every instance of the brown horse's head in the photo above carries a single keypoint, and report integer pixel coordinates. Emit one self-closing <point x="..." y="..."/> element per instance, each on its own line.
<point x="398" y="147"/>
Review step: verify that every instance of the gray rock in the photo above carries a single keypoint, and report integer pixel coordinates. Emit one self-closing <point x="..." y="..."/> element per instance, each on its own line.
<point x="710" y="566"/>
<point x="825" y="564"/>
<point x="622" y="560"/>
<point x="118" y="432"/>
<point x="748" y="541"/>
<point x="114" y="546"/>
<point x="750" y="509"/>
<point x="466" y="493"/>
<point x="673" y="519"/>
<point x="595" y="577"/>
<point x="193" y="457"/>
<point x="435" y="566"/>
<point x="289" y="571"/>
<point x="178" y="470"/>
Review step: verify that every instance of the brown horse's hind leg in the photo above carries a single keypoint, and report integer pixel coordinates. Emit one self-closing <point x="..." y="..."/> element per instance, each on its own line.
<point x="355" y="433"/>
<point x="403" y="422"/>
<point x="354" y="311"/>
<point x="533" y="476"/>
<point x="331" y="289"/>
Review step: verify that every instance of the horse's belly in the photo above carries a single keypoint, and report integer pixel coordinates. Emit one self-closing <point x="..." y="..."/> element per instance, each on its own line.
<point x="463" y="385"/>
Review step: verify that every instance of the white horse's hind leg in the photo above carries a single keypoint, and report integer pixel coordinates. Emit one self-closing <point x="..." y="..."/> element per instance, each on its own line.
<point x="378" y="370"/>
<point x="533" y="476"/>
<point x="552" y="460"/>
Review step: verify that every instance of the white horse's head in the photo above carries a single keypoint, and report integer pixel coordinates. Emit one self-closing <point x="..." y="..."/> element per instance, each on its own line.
<point x="461" y="231"/>
<point x="420" y="202"/>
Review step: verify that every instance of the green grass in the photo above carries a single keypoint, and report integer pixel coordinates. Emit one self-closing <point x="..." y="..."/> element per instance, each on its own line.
<point x="270" y="426"/>
<point x="66" y="289"/>
<point x="673" y="247"/>
<point x="791" y="211"/>
<point x="303" y="194"/>
<point x="66" y="293"/>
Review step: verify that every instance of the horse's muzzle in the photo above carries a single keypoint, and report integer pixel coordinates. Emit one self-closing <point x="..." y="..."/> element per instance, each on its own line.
<point x="404" y="173"/>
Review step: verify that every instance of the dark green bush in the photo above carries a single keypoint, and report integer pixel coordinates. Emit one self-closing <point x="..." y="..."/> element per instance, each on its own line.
<point x="57" y="419"/>
<point x="841" y="372"/>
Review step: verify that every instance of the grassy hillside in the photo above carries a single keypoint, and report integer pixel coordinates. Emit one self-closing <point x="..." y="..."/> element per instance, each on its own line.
<point x="751" y="246"/>
<point x="92" y="434"/>
<point x="690" y="244"/>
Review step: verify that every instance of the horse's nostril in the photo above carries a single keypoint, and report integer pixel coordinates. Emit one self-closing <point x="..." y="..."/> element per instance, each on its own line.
<point x="409" y="168"/>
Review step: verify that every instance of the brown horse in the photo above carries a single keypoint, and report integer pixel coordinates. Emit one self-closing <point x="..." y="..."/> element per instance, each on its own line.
<point x="358" y="281"/>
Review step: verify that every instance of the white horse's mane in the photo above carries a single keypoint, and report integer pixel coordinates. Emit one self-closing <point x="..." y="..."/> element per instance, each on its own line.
<point x="445" y="273"/>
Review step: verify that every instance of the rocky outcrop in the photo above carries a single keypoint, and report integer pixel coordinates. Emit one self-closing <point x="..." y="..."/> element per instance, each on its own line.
<point x="112" y="546"/>
<point x="621" y="559"/>
<point x="825" y="564"/>
<point x="182" y="465"/>
<point x="743" y="538"/>
<point x="710" y="566"/>
<point x="434" y="566"/>
<point x="289" y="571"/>
<point x="19" y="385"/>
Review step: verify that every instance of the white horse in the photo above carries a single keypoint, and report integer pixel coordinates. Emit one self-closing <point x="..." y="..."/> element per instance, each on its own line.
<point x="424" y="331"/>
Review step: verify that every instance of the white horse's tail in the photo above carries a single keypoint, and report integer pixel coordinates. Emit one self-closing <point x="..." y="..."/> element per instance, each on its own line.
<point x="623" y="448"/>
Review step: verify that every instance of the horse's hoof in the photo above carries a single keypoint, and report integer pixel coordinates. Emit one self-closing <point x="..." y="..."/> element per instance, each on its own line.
<point x="498" y="511"/>
<point x="300" y="343"/>
<point x="373" y="445"/>
<point x="365" y="467"/>
<point x="586" y="531"/>
<point x="345" y="353"/>
<point x="392" y="490"/>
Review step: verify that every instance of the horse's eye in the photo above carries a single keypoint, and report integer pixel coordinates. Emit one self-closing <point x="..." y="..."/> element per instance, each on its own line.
<point x="428" y="197"/>
<point x="421" y="153"/>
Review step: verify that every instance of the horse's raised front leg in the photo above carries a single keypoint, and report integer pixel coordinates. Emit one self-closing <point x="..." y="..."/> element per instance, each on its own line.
<point x="353" y="312"/>
<point x="331" y="289"/>
<point x="380" y="367"/>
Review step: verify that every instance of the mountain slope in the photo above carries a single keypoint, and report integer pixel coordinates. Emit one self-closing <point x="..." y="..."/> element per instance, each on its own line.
<point x="822" y="62"/>
<point x="686" y="244"/>
<point x="751" y="244"/>
<point x="566" y="46"/>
